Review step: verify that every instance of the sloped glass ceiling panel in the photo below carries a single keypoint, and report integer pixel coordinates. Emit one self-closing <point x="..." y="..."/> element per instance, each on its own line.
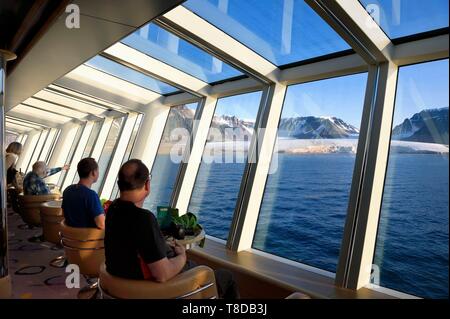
<point x="166" y="47"/>
<point x="44" y="105"/>
<point x="400" y="18"/>
<point x="116" y="69"/>
<point x="17" y="127"/>
<point x="55" y="94"/>
<point x="282" y="31"/>
<point x="40" y="114"/>
<point x="25" y="124"/>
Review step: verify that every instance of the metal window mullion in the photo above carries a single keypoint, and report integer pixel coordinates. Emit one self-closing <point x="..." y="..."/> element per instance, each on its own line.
<point x="44" y="139"/>
<point x="113" y="154"/>
<point x="194" y="155"/>
<point x="61" y="148"/>
<point x="77" y="154"/>
<point x="47" y="144"/>
<point x="119" y="153"/>
<point x="358" y="243"/>
<point x="30" y="163"/>
<point x="33" y="147"/>
<point x="97" y="149"/>
<point x="358" y="176"/>
<point x="150" y="132"/>
<point x="249" y="173"/>
<point x="367" y="39"/>
<point x="183" y="165"/>
<point x="25" y="151"/>
<point x="253" y="182"/>
<point x="52" y="148"/>
<point x="96" y="137"/>
<point x="69" y="157"/>
<point x="133" y="142"/>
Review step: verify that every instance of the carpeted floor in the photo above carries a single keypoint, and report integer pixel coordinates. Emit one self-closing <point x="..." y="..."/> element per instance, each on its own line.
<point x="29" y="265"/>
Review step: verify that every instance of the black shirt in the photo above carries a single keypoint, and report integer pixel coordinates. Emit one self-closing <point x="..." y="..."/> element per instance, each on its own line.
<point x="131" y="232"/>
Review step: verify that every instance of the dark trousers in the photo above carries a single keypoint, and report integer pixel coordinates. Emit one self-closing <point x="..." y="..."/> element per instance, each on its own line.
<point x="226" y="285"/>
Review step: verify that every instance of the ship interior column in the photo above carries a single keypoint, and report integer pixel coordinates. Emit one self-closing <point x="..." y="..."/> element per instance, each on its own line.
<point x="5" y="283"/>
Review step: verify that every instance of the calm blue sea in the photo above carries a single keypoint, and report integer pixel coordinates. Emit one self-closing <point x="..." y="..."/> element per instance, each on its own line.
<point x="303" y="213"/>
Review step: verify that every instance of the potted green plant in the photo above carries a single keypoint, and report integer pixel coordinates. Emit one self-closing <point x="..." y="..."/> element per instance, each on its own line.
<point x="189" y="223"/>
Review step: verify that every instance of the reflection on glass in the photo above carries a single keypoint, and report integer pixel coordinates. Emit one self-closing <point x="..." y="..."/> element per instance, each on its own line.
<point x="223" y="162"/>
<point x="305" y="202"/>
<point x="130" y="75"/>
<point x="168" y="48"/>
<point x="170" y="153"/>
<point x="108" y="150"/>
<point x="412" y="242"/>
<point x="130" y="147"/>
<point x="282" y="31"/>
<point x="399" y="18"/>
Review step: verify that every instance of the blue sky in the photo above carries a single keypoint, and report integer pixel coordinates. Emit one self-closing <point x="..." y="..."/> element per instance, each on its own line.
<point x="342" y="97"/>
<point x="420" y="86"/>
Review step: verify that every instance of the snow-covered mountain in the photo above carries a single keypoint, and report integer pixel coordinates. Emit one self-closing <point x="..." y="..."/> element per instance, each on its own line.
<point x="229" y="127"/>
<point x="311" y="127"/>
<point x="429" y="126"/>
<point x="224" y="127"/>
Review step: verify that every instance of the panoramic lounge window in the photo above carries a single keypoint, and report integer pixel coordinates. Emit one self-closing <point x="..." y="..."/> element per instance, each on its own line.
<point x="412" y="242"/>
<point x="170" y="154"/>
<point x="282" y="31"/>
<point x="399" y="18"/>
<point x="218" y="181"/>
<point x="305" y="202"/>
<point x="108" y="151"/>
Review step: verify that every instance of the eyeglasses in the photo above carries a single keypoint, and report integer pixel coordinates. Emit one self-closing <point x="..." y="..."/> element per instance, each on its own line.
<point x="149" y="178"/>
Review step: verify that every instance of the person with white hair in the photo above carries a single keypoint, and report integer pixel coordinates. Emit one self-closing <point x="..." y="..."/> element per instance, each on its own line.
<point x="33" y="183"/>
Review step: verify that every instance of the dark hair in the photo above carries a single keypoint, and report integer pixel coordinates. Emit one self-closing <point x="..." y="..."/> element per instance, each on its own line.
<point x="14" y="147"/>
<point x="132" y="175"/>
<point x="86" y="166"/>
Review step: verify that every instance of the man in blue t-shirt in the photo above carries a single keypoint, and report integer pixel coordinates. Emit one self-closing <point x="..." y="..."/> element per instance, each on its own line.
<point x="81" y="205"/>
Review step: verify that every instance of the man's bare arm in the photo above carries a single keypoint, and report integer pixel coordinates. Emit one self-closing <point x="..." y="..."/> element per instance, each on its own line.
<point x="100" y="221"/>
<point x="165" y="269"/>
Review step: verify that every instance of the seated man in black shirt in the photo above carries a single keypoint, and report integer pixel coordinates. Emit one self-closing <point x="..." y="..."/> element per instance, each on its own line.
<point x="134" y="245"/>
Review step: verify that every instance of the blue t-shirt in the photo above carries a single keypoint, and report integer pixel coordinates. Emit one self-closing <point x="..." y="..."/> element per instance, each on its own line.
<point x="80" y="206"/>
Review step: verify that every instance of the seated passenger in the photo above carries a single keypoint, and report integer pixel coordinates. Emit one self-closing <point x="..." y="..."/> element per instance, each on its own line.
<point x="33" y="183"/>
<point x="81" y="205"/>
<point x="134" y="245"/>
